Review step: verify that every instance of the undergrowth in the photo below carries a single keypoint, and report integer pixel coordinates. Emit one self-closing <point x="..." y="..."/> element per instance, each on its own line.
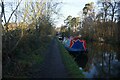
<point x="29" y="51"/>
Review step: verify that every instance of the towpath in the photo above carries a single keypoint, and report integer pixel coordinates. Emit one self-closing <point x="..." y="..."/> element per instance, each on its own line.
<point x="52" y="67"/>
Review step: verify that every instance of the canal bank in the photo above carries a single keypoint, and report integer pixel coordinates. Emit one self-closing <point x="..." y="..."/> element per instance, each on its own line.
<point x="70" y="64"/>
<point x="101" y="61"/>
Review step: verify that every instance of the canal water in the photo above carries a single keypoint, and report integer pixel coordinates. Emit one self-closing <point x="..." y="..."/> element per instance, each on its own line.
<point x="101" y="61"/>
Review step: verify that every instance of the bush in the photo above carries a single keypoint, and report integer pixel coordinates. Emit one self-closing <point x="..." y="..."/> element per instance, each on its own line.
<point x="28" y="52"/>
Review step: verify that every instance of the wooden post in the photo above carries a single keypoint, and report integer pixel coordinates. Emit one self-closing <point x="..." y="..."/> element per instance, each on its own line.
<point x="0" y="46"/>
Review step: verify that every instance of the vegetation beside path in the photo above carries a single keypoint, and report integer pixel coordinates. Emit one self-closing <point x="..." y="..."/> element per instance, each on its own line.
<point x="29" y="51"/>
<point x="25" y="38"/>
<point x="69" y="63"/>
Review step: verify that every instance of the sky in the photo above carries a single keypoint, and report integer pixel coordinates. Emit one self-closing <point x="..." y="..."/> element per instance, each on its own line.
<point x="73" y="8"/>
<point x="69" y="7"/>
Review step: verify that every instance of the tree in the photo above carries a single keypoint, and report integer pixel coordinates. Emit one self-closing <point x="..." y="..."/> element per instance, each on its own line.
<point x="88" y="9"/>
<point x="75" y="22"/>
<point x="11" y="15"/>
<point x="107" y="14"/>
<point x="72" y="23"/>
<point x="35" y="14"/>
<point x="118" y="23"/>
<point x="88" y="20"/>
<point x="68" y="21"/>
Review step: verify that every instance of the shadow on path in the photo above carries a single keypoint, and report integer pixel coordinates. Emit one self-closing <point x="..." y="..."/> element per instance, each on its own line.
<point x="52" y="67"/>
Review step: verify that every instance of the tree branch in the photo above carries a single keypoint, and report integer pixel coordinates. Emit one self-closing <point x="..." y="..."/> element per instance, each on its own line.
<point x="13" y="11"/>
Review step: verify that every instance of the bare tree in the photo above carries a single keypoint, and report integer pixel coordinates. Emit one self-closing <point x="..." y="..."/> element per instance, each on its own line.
<point x="6" y="22"/>
<point x="14" y="11"/>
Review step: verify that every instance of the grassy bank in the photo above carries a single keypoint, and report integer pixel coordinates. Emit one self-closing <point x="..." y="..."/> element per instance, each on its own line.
<point x="30" y="51"/>
<point x="69" y="63"/>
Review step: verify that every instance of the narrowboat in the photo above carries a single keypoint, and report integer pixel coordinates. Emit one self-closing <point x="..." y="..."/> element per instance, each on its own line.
<point x="75" y="45"/>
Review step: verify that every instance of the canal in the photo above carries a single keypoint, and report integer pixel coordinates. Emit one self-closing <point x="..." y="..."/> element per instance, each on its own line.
<point x="101" y="61"/>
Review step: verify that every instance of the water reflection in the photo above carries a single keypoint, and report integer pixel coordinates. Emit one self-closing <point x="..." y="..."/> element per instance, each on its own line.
<point x="81" y="60"/>
<point x="102" y="60"/>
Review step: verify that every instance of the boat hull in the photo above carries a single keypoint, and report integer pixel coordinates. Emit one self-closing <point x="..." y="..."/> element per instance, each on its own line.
<point x="75" y="45"/>
<point x="75" y="51"/>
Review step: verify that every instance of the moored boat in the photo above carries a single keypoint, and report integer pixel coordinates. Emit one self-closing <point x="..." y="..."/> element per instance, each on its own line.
<point x="75" y="45"/>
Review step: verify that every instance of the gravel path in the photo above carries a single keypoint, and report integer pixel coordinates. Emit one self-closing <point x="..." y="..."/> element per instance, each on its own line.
<point x="52" y="67"/>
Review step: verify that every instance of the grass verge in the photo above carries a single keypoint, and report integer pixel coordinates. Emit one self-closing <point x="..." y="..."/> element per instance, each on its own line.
<point x="71" y="66"/>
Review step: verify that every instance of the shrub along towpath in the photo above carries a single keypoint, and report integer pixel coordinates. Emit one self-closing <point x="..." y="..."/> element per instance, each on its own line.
<point x="52" y="66"/>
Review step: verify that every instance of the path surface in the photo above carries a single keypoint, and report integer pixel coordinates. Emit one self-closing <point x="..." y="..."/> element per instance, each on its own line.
<point x="52" y="67"/>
